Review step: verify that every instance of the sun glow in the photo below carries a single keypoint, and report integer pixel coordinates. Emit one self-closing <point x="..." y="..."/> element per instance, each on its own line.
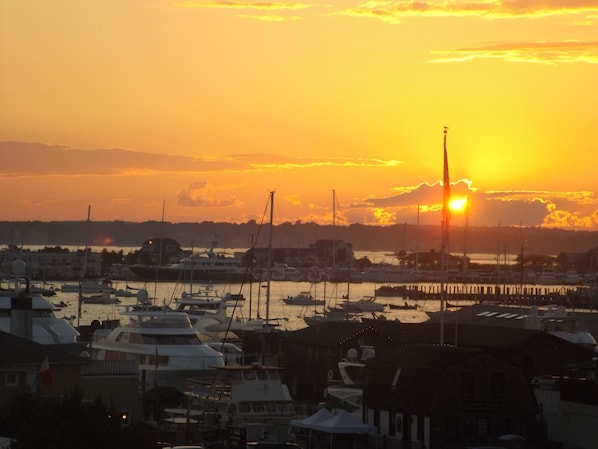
<point x="458" y="204"/>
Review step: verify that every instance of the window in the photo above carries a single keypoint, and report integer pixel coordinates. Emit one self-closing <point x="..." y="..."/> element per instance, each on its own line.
<point x="11" y="379"/>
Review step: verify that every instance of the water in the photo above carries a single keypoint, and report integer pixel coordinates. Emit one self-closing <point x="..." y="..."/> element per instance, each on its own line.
<point x="289" y="317"/>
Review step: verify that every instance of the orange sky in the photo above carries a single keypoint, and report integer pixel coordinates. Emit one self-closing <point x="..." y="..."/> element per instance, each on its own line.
<point x="206" y="106"/>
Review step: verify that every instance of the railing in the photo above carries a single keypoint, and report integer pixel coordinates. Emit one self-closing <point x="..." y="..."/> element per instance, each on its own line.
<point x="111" y="368"/>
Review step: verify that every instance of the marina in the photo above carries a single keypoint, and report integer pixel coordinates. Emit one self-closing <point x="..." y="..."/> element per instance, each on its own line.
<point x="291" y="317"/>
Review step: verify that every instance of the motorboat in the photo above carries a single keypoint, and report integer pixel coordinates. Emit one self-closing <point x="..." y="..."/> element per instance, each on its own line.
<point x="284" y="272"/>
<point x="251" y="396"/>
<point x="303" y="299"/>
<point x="33" y="317"/>
<point x="100" y="298"/>
<point x="88" y="286"/>
<point x="364" y="304"/>
<point x="164" y="343"/>
<point x="207" y="266"/>
<point x="332" y="314"/>
<point x="207" y="309"/>
<point x="405" y="306"/>
<point x="352" y="374"/>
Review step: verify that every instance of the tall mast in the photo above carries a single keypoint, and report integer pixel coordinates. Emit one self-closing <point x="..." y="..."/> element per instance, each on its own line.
<point x="446" y="194"/>
<point x="333" y="231"/>
<point x="269" y="276"/>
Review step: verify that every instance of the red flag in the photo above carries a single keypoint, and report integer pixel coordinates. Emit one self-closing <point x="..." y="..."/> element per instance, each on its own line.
<point x="45" y="374"/>
<point x="446" y="183"/>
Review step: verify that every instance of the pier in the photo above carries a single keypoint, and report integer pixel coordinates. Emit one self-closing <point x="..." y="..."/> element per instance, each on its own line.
<point x="526" y="295"/>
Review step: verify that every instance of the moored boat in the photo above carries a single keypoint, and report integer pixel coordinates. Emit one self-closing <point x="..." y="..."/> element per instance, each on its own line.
<point x="303" y="299"/>
<point x="163" y="342"/>
<point x="204" y="267"/>
<point x="33" y="317"/>
<point x="249" y="396"/>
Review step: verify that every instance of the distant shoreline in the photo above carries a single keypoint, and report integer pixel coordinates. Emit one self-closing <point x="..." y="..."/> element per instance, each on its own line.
<point x="390" y="239"/>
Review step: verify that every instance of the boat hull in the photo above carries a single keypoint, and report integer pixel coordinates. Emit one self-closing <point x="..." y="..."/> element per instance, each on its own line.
<point x="168" y="274"/>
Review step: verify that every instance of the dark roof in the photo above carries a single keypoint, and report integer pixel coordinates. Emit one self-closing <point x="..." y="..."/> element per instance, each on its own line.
<point x="464" y="335"/>
<point x="23" y="351"/>
<point x="424" y="355"/>
<point x="325" y="334"/>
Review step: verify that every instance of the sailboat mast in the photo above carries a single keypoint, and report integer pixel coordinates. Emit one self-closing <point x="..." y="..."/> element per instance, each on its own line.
<point x="446" y="193"/>
<point x="269" y="277"/>
<point x="333" y="231"/>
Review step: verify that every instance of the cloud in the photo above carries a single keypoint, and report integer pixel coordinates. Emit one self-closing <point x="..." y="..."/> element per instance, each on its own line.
<point x="35" y="159"/>
<point x="393" y="11"/>
<point x="423" y="202"/>
<point x="201" y="194"/>
<point x="270" y="18"/>
<point x="266" y="6"/>
<point x="538" y="52"/>
<point x="229" y="183"/>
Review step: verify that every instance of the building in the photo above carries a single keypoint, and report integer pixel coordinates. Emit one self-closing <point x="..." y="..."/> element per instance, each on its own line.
<point x="448" y="398"/>
<point x="569" y="404"/>
<point x="322" y="253"/>
<point x="53" y="263"/>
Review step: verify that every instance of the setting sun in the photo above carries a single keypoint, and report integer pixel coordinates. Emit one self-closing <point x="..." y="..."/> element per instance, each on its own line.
<point x="458" y="204"/>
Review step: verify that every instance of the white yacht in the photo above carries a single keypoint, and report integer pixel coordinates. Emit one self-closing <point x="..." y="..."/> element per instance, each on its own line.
<point x="33" y="317"/>
<point x="352" y="372"/>
<point x="250" y="396"/>
<point x="208" y="311"/>
<point x="168" y="349"/>
<point x="208" y="266"/>
<point x="364" y="304"/>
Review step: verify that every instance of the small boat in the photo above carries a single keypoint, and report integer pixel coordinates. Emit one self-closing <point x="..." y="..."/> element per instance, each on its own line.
<point x="60" y="304"/>
<point x="102" y="298"/>
<point x="405" y="306"/>
<point x="88" y="286"/>
<point x="364" y="304"/>
<point x="303" y="299"/>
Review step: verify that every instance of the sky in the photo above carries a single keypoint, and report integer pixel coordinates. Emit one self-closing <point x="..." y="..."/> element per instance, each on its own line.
<point x="192" y="111"/>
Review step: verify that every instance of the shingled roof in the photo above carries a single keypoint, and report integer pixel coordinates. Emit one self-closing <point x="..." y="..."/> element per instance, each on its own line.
<point x="24" y="352"/>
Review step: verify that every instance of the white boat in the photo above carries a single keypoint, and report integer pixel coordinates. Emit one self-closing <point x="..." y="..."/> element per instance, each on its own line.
<point x="208" y="311"/>
<point x="352" y="372"/>
<point x="284" y="272"/>
<point x="303" y="299"/>
<point x="89" y="286"/>
<point x="364" y="304"/>
<point x="100" y="298"/>
<point x="208" y="266"/>
<point x="555" y="320"/>
<point x="250" y="396"/>
<point x="33" y="317"/>
<point x="166" y="346"/>
<point x="332" y="315"/>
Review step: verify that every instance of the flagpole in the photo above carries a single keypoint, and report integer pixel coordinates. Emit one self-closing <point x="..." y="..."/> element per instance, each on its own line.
<point x="446" y="193"/>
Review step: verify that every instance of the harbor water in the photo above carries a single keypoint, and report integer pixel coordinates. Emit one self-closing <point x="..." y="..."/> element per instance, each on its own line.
<point x="287" y="317"/>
